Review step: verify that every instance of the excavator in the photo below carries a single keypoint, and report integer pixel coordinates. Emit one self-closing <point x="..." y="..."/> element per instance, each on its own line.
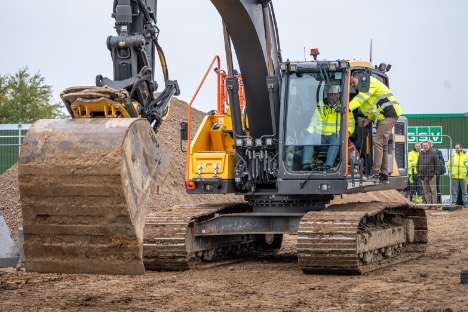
<point x="85" y="182"/>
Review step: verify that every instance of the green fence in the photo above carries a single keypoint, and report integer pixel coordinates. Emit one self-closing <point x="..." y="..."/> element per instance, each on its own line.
<point x="11" y="136"/>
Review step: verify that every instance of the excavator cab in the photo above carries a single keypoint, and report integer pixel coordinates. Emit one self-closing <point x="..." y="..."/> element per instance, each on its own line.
<point x="314" y="117"/>
<point x="324" y="147"/>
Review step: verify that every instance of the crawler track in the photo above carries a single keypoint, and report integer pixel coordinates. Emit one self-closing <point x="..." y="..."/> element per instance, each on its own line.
<point x="170" y="243"/>
<point x="360" y="237"/>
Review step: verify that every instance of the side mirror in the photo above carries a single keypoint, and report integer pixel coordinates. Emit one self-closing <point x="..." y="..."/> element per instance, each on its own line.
<point x="183" y="133"/>
<point x="183" y="130"/>
<point x="364" y="82"/>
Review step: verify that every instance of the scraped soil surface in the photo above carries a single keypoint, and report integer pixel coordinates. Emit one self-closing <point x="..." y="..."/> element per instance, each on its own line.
<point x="269" y="283"/>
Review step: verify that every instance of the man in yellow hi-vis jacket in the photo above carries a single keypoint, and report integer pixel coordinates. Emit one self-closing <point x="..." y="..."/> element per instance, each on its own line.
<point x="325" y="123"/>
<point x="458" y="166"/>
<point x="379" y="105"/>
<point x="415" y="186"/>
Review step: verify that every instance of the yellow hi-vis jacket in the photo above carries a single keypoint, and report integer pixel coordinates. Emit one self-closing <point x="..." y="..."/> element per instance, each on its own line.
<point x="377" y="103"/>
<point x="458" y="165"/>
<point x="326" y="121"/>
<point x="412" y="161"/>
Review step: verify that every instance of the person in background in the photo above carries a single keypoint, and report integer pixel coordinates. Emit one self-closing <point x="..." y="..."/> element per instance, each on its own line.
<point x="458" y="166"/>
<point x="415" y="187"/>
<point x="428" y="166"/>
<point x="467" y="184"/>
<point x="441" y="171"/>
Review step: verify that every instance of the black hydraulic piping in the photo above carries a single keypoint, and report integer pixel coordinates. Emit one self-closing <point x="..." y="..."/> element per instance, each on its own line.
<point x="278" y="47"/>
<point x="267" y="24"/>
<point x="228" y="49"/>
<point x="232" y="85"/>
<point x="272" y="80"/>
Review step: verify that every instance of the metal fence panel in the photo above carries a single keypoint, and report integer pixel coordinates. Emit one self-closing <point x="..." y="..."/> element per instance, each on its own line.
<point x="11" y="136"/>
<point x="445" y="145"/>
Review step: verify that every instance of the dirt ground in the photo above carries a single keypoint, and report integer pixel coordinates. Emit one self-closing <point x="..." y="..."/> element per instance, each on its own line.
<point x="269" y="283"/>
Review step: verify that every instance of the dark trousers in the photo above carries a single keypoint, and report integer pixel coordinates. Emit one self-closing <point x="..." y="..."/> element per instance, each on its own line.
<point x="416" y="187"/>
<point x="439" y="196"/>
<point x="460" y="195"/>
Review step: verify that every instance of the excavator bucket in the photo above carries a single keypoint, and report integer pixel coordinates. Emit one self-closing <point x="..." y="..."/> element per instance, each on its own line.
<point x="85" y="187"/>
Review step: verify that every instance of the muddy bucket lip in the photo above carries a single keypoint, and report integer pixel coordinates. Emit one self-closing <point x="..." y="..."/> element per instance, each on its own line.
<point x="84" y="192"/>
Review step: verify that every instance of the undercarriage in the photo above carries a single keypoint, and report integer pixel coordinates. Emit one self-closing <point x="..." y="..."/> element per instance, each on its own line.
<point x="349" y="238"/>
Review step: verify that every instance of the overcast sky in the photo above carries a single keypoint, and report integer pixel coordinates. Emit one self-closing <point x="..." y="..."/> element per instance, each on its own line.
<point x="426" y="42"/>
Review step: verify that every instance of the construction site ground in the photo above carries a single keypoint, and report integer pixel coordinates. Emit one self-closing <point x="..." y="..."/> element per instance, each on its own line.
<point x="268" y="283"/>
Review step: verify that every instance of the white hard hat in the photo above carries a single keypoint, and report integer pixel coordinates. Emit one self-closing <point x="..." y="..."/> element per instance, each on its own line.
<point x="333" y="89"/>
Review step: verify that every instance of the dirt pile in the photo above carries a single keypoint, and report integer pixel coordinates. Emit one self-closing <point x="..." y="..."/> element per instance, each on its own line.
<point x="378" y="196"/>
<point x="9" y="203"/>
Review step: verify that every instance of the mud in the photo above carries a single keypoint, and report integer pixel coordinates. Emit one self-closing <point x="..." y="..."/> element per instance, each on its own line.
<point x="269" y="283"/>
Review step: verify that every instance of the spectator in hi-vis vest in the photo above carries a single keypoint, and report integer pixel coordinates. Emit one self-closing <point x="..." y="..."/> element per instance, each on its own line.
<point x="458" y="167"/>
<point x="414" y="184"/>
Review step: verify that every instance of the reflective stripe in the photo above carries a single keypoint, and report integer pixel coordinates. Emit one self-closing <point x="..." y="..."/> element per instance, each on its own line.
<point x="361" y="97"/>
<point x="388" y="104"/>
<point x="376" y="100"/>
<point x="377" y="112"/>
<point x="327" y="121"/>
<point x="458" y="165"/>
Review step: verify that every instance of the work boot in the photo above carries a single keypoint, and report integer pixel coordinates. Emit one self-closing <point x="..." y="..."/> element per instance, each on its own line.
<point x="373" y="178"/>
<point x="383" y="178"/>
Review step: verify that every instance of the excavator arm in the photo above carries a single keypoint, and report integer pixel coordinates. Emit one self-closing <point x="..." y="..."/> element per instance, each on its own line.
<point x="134" y="51"/>
<point x="86" y="182"/>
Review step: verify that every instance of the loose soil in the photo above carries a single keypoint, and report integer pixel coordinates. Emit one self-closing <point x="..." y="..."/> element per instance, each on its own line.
<point x="269" y="283"/>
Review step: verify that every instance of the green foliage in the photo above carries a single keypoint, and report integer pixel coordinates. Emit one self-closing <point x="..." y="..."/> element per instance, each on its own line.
<point x="25" y="98"/>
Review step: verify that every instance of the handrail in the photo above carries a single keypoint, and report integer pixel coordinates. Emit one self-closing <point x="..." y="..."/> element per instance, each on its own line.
<point x="191" y="185"/>
<point x="346" y="131"/>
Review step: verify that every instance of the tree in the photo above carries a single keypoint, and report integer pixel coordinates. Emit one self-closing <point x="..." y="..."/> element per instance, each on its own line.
<point x="25" y="98"/>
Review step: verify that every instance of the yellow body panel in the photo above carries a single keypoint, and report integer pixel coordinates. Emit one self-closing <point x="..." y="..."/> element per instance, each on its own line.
<point x="397" y="138"/>
<point x="225" y="161"/>
<point x="359" y="63"/>
<point x="213" y="144"/>
<point x="111" y="109"/>
<point x="352" y="63"/>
